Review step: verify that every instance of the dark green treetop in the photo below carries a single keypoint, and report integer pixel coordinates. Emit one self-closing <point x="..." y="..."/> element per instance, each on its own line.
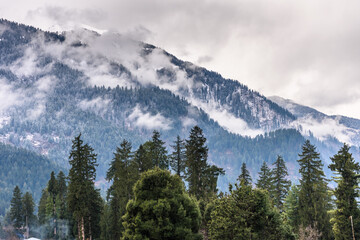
<point x="161" y="209"/>
<point x="281" y="184"/>
<point x="244" y="175"/>
<point x="346" y="192"/>
<point x="177" y="157"/>
<point x="264" y="181"/>
<point x="16" y="208"/>
<point x="313" y="195"/>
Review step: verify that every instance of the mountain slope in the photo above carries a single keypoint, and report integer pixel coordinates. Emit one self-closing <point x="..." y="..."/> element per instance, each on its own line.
<point x="322" y="126"/>
<point x="110" y="88"/>
<point x="24" y="168"/>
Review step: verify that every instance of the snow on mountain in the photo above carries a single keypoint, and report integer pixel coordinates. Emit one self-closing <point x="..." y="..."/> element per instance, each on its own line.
<point x="310" y="121"/>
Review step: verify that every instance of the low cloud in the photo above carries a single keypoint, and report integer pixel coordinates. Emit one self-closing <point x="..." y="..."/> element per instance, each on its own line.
<point x="325" y="128"/>
<point x="9" y="96"/>
<point x="188" y="122"/>
<point x="97" y="105"/>
<point x="146" y="120"/>
<point x="226" y="119"/>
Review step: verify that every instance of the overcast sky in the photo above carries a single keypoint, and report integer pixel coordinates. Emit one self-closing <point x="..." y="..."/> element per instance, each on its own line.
<point x="307" y="51"/>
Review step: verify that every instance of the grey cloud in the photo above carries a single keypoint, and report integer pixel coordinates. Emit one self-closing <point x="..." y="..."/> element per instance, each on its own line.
<point x="303" y="50"/>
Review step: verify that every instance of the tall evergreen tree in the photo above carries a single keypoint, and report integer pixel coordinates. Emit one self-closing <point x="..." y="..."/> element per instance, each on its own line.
<point x="346" y="192"/>
<point x="177" y="157"/>
<point x="16" y="209"/>
<point x="291" y="207"/>
<point x="142" y="160"/>
<point x="280" y="183"/>
<point x="53" y="189"/>
<point x="42" y="207"/>
<point x="313" y="194"/>
<point x="81" y="189"/>
<point x="264" y="181"/>
<point x="199" y="174"/>
<point x="158" y="151"/>
<point x="28" y="212"/>
<point x="123" y="173"/>
<point x="196" y="161"/>
<point x="244" y="175"/>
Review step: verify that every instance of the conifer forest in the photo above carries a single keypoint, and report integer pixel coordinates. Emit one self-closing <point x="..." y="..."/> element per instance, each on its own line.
<point x="160" y="193"/>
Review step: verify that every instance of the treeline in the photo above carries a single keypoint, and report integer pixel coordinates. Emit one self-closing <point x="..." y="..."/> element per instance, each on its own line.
<point x="146" y="201"/>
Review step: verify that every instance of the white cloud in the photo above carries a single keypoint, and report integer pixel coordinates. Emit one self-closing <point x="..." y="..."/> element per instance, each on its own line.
<point x="98" y="105"/>
<point x="325" y="128"/>
<point x="225" y="119"/>
<point x="8" y="96"/>
<point x="148" y="121"/>
<point x="188" y="122"/>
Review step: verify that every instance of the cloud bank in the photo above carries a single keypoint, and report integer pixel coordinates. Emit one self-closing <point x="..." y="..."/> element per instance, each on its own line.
<point x="148" y="121"/>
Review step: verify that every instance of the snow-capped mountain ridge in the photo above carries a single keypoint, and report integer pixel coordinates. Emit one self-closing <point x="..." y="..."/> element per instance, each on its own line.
<point x="322" y="126"/>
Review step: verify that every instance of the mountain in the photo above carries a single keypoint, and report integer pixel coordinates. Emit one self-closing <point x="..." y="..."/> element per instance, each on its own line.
<point x="110" y="87"/>
<point x="322" y="126"/>
<point x="24" y="168"/>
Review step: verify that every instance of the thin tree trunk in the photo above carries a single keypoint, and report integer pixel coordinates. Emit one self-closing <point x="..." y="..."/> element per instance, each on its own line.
<point x="79" y="231"/>
<point x="82" y="229"/>
<point x="90" y="234"/>
<point x="27" y="226"/>
<point x="54" y="215"/>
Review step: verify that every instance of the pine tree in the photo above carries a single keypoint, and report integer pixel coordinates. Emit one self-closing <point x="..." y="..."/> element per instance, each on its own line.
<point x="313" y="194"/>
<point x="244" y="175"/>
<point x="61" y="196"/>
<point x="196" y="161"/>
<point x="142" y="160"/>
<point x="177" y="157"/>
<point x="52" y="189"/>
<point x="346" y="192"/>
<point x="158" y="151"/>
<point x="264" y="181"/>
<point x="291" y="207"/>
<point x="16" y="209"/>
<point x="281" y="185"/>
<point x="42" y="207"/>
<point x="123" y="173"/>
<point x="28" y="212"/>
<point x="202" y="177"/>
<point x="81" y="189"/>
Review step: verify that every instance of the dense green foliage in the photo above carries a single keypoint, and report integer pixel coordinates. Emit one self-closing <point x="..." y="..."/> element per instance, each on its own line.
<point x="281" y="184"/>
<point x="264" y="181"/>
<point x="123" y="174"/>
<point x="313" y="193"/>
<point x="161" y="209"/>
<point x="244" y="176"/>
<point x="16" y="208"/>
<point x="177" y="157"/>
<point x="83" y="199"/>
<point x="346" y="193"/>
<point x="202" y="177"/>
<point x="246" y="213"/>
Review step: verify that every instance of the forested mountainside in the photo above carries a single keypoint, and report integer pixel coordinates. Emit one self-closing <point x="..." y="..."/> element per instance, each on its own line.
<point x="110" y="88"/>
<point x="25" y="169"/>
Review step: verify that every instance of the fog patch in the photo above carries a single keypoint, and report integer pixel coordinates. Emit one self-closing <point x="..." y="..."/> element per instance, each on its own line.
<point x="188" y="122"/>
<point x="97" y="105"/>
<point x="226" y="119"/>
<point x="148" y="121"/>
<point x="325" y="128"/>
<point x="9" y="96"/>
